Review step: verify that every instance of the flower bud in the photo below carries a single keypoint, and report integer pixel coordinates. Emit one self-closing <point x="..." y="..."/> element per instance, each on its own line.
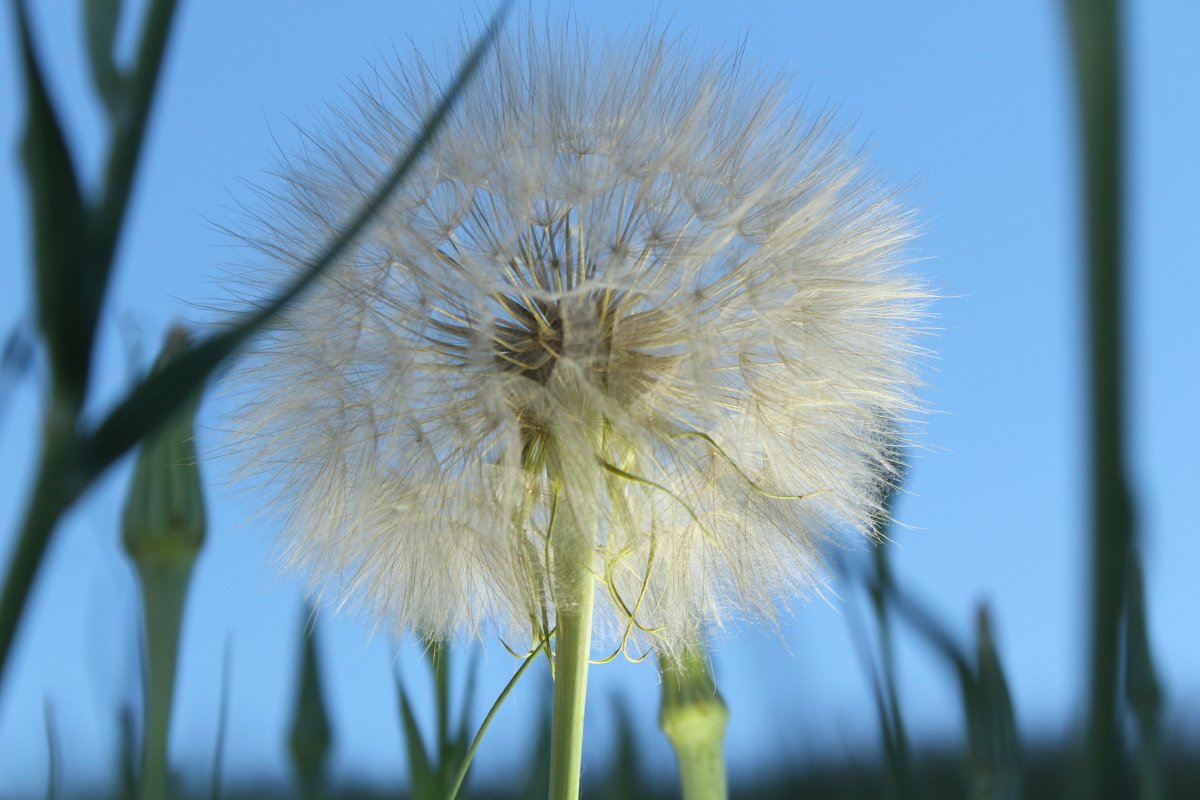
<point x="164" y="519"/>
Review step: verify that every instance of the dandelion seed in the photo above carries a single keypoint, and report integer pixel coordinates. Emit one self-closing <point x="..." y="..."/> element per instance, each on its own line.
<point x="634" y="309"/>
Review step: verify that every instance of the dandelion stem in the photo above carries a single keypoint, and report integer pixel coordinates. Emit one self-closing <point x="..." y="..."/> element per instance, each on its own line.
<point x="575" y="592"/>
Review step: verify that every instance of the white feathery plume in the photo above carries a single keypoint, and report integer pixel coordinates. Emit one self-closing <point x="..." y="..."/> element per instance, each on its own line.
<point x="625" y="284"/>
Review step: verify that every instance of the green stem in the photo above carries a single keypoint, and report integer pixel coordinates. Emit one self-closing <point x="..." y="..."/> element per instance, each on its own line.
<point x="461" y="774"/>
<point x="575" y="592"/>
<point x="164" y="591"/>
<point x="1096" y="29"/>
<point x="694" y="717"/>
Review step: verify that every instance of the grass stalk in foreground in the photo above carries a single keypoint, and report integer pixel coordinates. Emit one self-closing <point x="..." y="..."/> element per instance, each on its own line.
<point x="1143" y="689"/>
<point x="1095" y="29"/>
<point x="311" y="735"/>
<point x="693" y="716"/>
<point x="164" y="527"/>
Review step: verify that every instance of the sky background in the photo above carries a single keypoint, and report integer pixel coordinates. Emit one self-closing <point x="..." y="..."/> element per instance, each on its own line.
<point x="968" y="107"/>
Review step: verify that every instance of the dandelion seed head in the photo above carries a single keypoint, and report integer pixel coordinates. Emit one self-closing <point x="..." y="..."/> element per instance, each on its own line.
<point x="625" y="282"/>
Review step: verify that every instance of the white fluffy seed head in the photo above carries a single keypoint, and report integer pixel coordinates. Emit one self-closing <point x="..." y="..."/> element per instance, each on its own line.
<point x="625" y="281"/>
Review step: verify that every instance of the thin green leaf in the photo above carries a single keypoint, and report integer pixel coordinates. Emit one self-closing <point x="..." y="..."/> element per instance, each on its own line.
<point x="537" y="784"/>
<point x="1096" y="29"/>
<point x="992" y="724"/>
<point x="461" y="775"/>
<point x="439" y="663"/>
<point x="420" y="769"/>
<point x="101" y="18"/>
<point x="926" y="624"/>
<point x="895" y="745"/>
<point x="625" y="777"/>
<point x="149" y="403"/>
<point x="59" y="234"/>
<point x="311" y="734"/>
<point x="52" y="745"/>
<point x="218" y="764"/>
<point x="128" y="132"/>
<point x="1143" y="688"/>
<point x="126" y="772"/>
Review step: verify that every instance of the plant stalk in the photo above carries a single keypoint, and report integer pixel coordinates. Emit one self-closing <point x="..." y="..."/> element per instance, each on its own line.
<point x="164" y="592"/>
<point x="575" y="591"/>
<point x="1096" y="30"/>
<point x="694" y="716"/>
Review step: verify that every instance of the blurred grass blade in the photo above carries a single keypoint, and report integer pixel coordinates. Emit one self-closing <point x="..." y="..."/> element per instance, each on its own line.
<point x="310" y="735"/>
<point x="993" y="742"/>
<point x="537" y="784"/>
<point x="995" y="748"/>
<point x="1095" y="27"/>
<point x="895" y="735"/>
<point x="932" y="630"/>
<point x="101" y="18"/>
<point x="218" y="764"/>
<point x="439" y="664"/>
<point x="693" y="715"/>
<point x="73" y="257"/>
<point x="163" y="532"/>
<point x="1143" y="689"/>
<point x="126" y="772"/>
<point x="54" y="765"/>
<point x="420" y="769"/>
<point x="60" y="229"/>
<point x="625" y="777"/>
<point x="884" y="680"/>
<point x="148" y="404"/>
<point x="129" y="120"/>
<point x="887" y="708"/>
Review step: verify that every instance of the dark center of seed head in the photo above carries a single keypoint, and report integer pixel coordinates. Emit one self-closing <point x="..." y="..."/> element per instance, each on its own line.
<point x="530" y="340"/>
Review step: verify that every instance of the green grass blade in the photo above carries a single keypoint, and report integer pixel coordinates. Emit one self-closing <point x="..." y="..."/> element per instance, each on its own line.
<point x="420" y="769"/>
<point x="129" y="120"/>
<point x="310" y="733"/>
<point x="626" y="778"/>
<point x="438" y="653"/>
<point x="101" y="18"/>
<point x="887" y="708"/>
<point x="54" y="766"/>
<point x="126" y="771"/>
<point x="1095" y="27"/>
<point x="537" y="784"/>
<point x="1143" y="689"/>
<point x="991" y="724"/>
<point x="896" y="749"/>
<point x="216" y="776"/>
<point x="60" y="226"/>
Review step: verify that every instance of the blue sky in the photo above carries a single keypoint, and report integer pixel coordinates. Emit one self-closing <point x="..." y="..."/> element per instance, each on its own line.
<point x="968" y="107"/>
